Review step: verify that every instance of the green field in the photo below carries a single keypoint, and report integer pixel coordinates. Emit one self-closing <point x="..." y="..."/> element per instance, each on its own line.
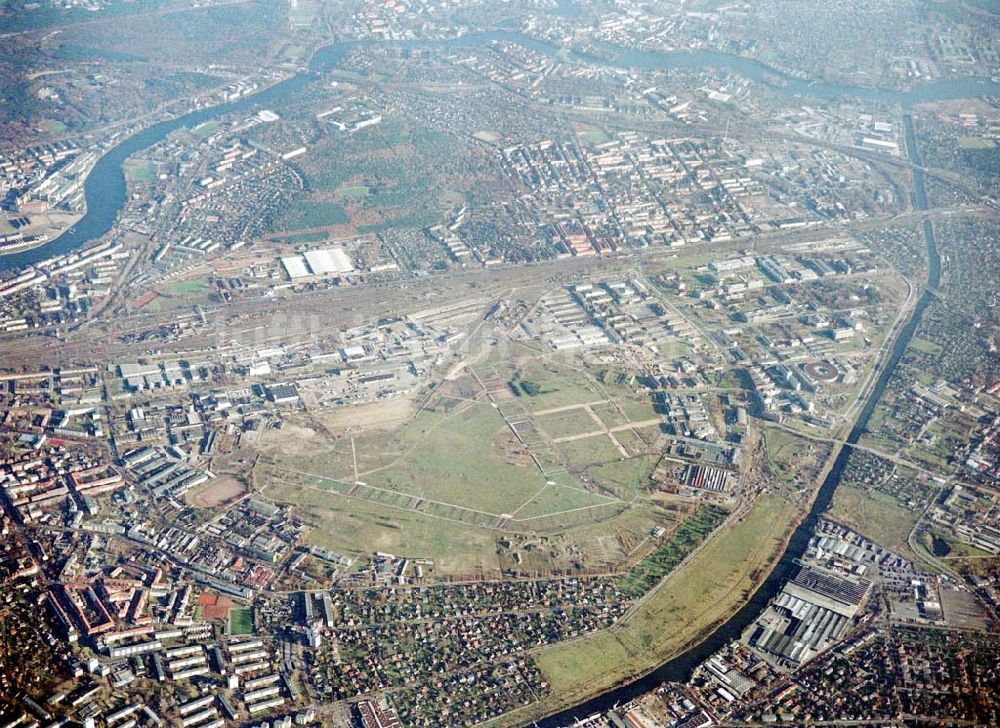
<point x="358" y="528"/>
<point x="592" y="137"/>
<point x="241" y="620"/>
<point x="187" y="288"/>
<point x="925" y="347"/>
<point x="632" y="441"/>
<point x="139" y="171"/>
<point x="489" y="137"/>
<point x="352" y="192"/>
<point x="438" y="486"/>
<point x="793" y="457"/>
<point x="558" y="498"/>
<point x="559" y="387"/>
<point x="624" y="478"/>
<point x="971" y="142"/>
<point x="960" y="549"/>
<point x="601" y="534"/>
<point x="609" y="414"/>
<point x="696" y="597"/>
<point x="305" y="214"/>
<point x="649" y="433"/>
<point x="457" y="465"/>
<point x="207" y="129"/>
<point x="783" y="446"/>
<point x="569" y="422"/>
<point x="637" y="410"/>
<point x="581" y="455"/>
<point x="454" y="458"/>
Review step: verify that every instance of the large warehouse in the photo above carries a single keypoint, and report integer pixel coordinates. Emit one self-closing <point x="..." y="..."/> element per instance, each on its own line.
<point x="318" y="263"/>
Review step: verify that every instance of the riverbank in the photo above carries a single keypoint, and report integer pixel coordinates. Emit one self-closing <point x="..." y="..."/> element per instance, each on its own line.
<point x="698" y="597"/>
<point x="105" y="190"/>
<point x="49" y="224"/>
<point x="678" y="669"/>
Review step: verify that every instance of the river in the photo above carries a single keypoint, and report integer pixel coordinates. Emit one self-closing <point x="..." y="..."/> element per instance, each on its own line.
<point x="105" y="191"/>
<point x="760" y="72"/>
<point x="679" y="668"/>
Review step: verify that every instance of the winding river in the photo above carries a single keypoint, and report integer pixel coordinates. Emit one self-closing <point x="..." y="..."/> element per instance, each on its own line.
<point x="105" y="190"/>
<point x="105" y="194"/>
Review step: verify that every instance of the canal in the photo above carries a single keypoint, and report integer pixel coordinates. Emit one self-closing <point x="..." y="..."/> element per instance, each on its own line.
<point x="679" y="668"/>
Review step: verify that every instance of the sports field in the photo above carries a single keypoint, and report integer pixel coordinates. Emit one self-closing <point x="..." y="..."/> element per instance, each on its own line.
<point x="240" y="620"/>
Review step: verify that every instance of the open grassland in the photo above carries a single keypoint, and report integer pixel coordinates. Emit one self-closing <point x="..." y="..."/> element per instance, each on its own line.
<point x="637" y="410"/>
<point x="357" y="528"/>
<point x="794" y="458"/>
<point x="593" y="516"/>
<point x="972" y="142"/>
<point x="451" y="458"/>
<point x="347" y="191"/>
<point x="578" y="455"/>
<point x="695" y="598"/>
<point x="925" y="347"/>
<point x="467" y="457"/>
<point x="560" y="498"/>
<point x="449" y="483"/>
<point x="610" y="415"/>
<point x="137" y="170"/>
<point x="568" y="423"/>
<point x="602" y="538"/>
<point x="458" y="465"/>
<point x="961" y="550"/>
<point x="606" y="543"/>
<point x="187" y="288"/>
<point x="624" y="478"/>
<point x="555" y="385"/>
<point x="783" y="446"/>
<point x="632" y="441"/>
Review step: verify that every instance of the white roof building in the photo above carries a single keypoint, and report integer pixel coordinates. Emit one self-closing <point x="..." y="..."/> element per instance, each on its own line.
<point x="329" y="260"/>
<point x="322" y="262"/>
<point x="295" y="266"/>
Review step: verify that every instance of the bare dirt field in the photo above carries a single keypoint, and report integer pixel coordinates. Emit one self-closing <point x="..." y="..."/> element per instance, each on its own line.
<point x="219" y="491"/>
<point x="293" y="439"/>
<point x="308" y="434"/>
<point x="382" y="415"/>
